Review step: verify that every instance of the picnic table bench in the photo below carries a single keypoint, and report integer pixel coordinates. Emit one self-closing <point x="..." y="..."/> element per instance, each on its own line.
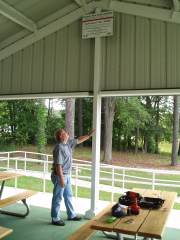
<point x="4" y="176"/>
<point x="85" y="231"/>
<point x="14" y="199"/>
<point x="4" y="232"/>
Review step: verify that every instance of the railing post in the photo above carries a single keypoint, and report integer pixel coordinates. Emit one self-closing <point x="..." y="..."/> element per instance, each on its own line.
<point x="153" y="180"/>
<point x="16" y="167"/>
<point x="44" y="178"/>
<point x="123" y="179"/>
<point x="8" y="161"/>
<point x="76" y="182"/>
<point x="25" y="158"/>
<point x="47" y="158"/>
<point x="112" y="193"/>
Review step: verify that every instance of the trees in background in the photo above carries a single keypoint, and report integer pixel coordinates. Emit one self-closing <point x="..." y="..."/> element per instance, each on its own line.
<point x="41" y="113"/>
<point x="175" y="141"/>
<point x="109" y="108"/>
<point x="70" y="116"/>
<point x="131" y="119"/>
<point x="17" y="122"/>
<point x="83" y="117"/>
<point x="159" y="109"/>
<point x="132" y="123"/>
<point x="55" y="118"/>
<point x="25" y="122"/>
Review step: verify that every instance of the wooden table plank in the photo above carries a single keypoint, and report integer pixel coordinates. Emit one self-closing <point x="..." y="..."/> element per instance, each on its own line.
<point x="155" y="222"/>
<point x="148" y="192"/>
<point x="4" y="232"/>
<point x="101" y="224"/>
<point x="131" y="224"/>
<point x="8" y="175"/>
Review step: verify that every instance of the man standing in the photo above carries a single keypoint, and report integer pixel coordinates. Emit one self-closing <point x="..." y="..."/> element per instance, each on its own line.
<point x="62" y="163"/>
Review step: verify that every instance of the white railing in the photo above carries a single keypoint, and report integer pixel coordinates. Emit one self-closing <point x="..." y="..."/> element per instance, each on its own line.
<point x="113" y="179"/>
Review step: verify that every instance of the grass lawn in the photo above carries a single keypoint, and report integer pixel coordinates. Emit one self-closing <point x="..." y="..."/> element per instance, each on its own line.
<point x="127" y="159"/>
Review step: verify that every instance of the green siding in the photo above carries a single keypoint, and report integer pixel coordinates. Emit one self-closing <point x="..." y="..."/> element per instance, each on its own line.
<point x="142" y="54"/>
<point x="61" y="62"/>
<point x="16" y="69"/>
<point x="37" y="67"/>
<point x="49" y="61"/>
<point x="173" y="55"/>
<point x="27" y="69"/>
<point x="6" y="75"/>
<point x="158" y="54"/>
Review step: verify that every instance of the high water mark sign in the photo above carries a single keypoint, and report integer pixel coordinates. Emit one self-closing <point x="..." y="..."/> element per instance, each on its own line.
<point x="97" y="25"/>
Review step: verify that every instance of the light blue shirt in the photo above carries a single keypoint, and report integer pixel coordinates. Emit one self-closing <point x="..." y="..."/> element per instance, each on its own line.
<point x="62" y="154"/>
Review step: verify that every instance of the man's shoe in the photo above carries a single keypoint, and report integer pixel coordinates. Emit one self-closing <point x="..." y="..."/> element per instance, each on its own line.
<point x="76" y="218"/>
<point x="58" y="223"/>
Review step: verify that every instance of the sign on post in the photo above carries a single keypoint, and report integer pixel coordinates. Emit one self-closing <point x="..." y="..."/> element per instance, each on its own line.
<point x="97" y="25"/>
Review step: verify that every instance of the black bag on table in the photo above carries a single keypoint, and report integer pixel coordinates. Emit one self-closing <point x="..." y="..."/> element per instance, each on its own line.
<point x="151" y="203"/>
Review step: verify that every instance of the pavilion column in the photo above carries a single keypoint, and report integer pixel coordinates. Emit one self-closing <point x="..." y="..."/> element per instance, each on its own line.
<point x="96" y="137"/>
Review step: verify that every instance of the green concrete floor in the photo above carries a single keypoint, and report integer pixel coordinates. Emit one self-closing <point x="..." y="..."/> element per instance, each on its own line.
<point x="36" y="226"/>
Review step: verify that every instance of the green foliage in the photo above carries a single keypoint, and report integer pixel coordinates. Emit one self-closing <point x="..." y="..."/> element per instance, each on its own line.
<point x="151" y="116"/>
<point x="129" y="115"/>
<point x="54" y="122"/>
<point x="55" y="119"/>
<point x="25" y="122"/>
<point x="151" y="144"/>
<point x="17" y="125"/>
<point x="41" y="125"/>
<point x="160" y="126"/>
<point x="87" y="118"/>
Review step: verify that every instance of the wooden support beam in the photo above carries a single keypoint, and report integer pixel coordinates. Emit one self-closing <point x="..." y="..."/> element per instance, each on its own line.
<point x="17" y="17"/>
<point x="146" y="11"/>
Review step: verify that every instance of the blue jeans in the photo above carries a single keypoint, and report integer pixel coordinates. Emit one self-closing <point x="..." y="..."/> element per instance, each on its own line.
<point x="58" y="194"/>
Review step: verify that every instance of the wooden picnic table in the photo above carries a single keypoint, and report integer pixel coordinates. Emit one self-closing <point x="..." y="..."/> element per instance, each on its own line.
<point x="148" y="223"/>
<point x="4" y="176"/>
<point x="8" y="175"/>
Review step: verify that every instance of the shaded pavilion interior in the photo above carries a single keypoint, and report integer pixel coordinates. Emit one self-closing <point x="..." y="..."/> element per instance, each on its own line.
<point x="42" y="54"/>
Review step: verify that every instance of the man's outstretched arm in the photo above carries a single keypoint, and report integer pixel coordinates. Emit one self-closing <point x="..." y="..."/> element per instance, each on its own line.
<point x="85" y="137"/>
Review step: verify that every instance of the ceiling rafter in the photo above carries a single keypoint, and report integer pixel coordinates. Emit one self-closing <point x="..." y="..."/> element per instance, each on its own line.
<point x="45" y="21"/>
<point x="83" y="4"/>
<point x="79" y="3"/>
<point x="17" y="17"/>
<point x="146" y="11"/>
